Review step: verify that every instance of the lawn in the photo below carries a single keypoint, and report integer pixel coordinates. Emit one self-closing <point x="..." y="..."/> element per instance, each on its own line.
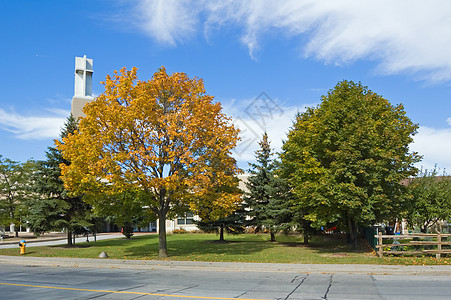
<point x="241" y="248"/>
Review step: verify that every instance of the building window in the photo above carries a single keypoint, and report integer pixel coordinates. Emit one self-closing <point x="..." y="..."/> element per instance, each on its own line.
<point x="188" y="219"/>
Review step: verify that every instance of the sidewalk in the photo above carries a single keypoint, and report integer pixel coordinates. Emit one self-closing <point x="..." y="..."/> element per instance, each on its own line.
<point x="439" y="270"/>
<point x="54" y="239"/>
<point x="31" y="238"/>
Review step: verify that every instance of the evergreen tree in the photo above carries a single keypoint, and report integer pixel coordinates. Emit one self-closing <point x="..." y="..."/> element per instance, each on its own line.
<point x="55" y="209"/>
<point x="278" y="211"/>
<point x="267" y="198"/>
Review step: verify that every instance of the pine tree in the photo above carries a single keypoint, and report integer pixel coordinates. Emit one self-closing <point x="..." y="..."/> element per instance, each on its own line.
<point x="55" y="209"/>
<point x="267" y="198"/>
<point x="278" y="212"/>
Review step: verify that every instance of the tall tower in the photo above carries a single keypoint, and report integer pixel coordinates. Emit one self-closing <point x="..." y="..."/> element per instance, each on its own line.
<point x="83" y="85"/>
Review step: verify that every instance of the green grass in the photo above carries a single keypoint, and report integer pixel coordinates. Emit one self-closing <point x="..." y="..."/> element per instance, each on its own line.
<point x="240" y="248"/>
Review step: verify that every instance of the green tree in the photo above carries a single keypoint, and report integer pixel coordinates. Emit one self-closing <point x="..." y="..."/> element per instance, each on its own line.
<point x="15" y="191"/>
<point x="124" y="209"/>
<point x="55" y="209"/>
<point x="268" y="194"/>
<point x="345" y="159"/>
<point x="430" y="199"/>
<point x="165" y="137"/>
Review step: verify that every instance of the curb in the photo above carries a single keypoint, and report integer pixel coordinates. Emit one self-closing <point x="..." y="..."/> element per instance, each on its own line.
<point x="436" y="270"/>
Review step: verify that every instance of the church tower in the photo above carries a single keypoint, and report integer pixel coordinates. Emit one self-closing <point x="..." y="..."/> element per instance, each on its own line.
<point x="83" y="85"/>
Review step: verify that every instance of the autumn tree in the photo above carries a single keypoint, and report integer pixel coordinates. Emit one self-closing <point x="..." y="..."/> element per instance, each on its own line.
<point x="430" y="200"/>
<point x="165" y="137"/>
<point x="219" y="219"/>
<point x="268" y="194"/>
<point x="55" y="209"/>
<point x="15" y="191"/>
<point x="345" y="159"/>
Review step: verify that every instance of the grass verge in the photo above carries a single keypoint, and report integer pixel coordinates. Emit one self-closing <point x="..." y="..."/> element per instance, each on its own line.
<point x="241" y="248"/>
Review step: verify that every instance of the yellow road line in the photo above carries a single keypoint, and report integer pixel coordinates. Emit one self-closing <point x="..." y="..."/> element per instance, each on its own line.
<point x="121" y="292"/>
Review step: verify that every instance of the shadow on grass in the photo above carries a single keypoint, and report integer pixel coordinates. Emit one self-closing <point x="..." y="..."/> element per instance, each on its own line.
<point x="79" y="245"/>
<point x="203" y="245"/>
<point x="329" y="244"/>
<point x="200" y="245"/>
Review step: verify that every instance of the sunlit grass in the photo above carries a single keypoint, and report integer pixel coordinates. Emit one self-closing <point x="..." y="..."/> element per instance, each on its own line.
<point x="240" y="248"/>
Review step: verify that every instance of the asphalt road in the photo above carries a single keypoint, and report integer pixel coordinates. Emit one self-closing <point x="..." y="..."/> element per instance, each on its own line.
<point x="51" y="282"/>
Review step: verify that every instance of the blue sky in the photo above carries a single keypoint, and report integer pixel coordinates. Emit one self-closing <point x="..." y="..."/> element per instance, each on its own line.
<point x="261" y="59"/>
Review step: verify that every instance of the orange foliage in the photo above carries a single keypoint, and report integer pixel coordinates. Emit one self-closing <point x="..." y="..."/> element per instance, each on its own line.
<point x="165" y="137"/>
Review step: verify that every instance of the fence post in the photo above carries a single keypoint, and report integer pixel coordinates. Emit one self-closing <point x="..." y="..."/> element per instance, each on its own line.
<point x="439" y="245"/>
<point x="380" y="243"/>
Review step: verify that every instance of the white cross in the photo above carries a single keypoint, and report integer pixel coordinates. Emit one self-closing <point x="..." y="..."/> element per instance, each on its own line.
<point x="83" y="77"/>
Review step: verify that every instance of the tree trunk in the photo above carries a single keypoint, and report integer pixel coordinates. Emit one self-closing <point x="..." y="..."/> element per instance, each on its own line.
<point x="221" y="232"/>
<point x="162" y="245"/>
<point x="305" y="230"/>
<point x="348" y="237"/>
<point x="273" y="236"/>
<point x="69" y="237"/>
<point x="306" y="238"/>
<point x="127" y="230"/>
<point x="352" y="232"/>
<point x="16" y="232"/>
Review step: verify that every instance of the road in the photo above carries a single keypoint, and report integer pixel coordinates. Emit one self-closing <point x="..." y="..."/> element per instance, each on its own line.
<point x="109" y="282"/>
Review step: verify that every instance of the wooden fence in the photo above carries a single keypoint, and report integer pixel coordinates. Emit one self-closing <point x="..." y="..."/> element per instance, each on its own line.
<point x="437" y="240"/>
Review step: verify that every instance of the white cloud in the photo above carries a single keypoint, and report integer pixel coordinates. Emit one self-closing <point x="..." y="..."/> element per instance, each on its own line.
<point x="435" y="146"/>
<point x="32" y="127"/>
<point x="449" y="121"/>
<point x="168" y="21"/>
<point x="402" y="36"/>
